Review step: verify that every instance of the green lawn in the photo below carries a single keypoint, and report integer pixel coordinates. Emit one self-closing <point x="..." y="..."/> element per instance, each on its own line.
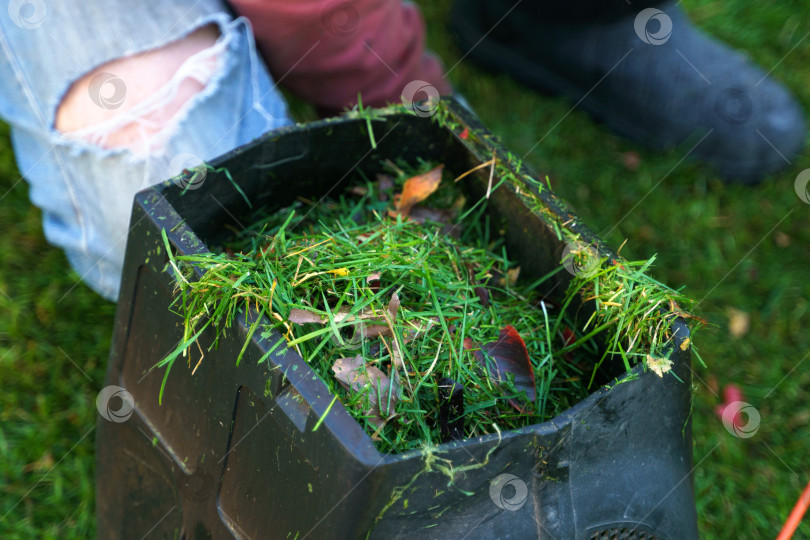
<point x="732" y="247"/>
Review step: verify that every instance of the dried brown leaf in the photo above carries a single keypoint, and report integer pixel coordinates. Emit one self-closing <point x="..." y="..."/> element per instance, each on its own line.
<point x="420" y="214"/>
<point x="369" y="331"/>
<point x="385" y="185"/>
<point x="483" y="296"/>
<point x="781" y="239"/>
<point x="303" y="316"/>
<point x="355" y="375"/>
<point x="739" y="322"/>
<point x="417" y="189"/>
<point x="512" y="275"/>
<point x="373" y="281"/>
<point x="410" y="335"/>
<point x="393" y="307"/>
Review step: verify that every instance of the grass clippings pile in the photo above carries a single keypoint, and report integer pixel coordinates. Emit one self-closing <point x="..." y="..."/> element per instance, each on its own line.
<point x="405" y="304"/>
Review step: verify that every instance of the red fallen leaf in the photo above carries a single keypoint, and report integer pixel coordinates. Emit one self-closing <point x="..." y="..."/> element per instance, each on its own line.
<point x="568" y="336"/>
<point x="507" y="355"/>
<point x="353" y="374"/>
<point x="417" y="189"/>
<point x="731" y="394"/>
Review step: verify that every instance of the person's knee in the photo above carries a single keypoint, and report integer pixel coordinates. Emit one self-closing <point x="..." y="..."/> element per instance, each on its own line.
<point x="133" y="101"/>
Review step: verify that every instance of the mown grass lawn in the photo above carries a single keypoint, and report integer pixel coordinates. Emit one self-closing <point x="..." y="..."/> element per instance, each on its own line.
<point x="732" y="247"/>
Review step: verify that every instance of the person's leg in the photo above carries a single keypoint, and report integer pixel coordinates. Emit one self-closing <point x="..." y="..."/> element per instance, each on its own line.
<point x="127" y="123"/>
<point x="582" y="11"/>
<point x="107" y="98"/>
<point x="649" y="75"/>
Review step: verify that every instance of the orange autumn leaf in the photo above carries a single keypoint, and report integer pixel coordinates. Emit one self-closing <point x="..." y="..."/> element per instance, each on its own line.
<point x="417" y="189"/>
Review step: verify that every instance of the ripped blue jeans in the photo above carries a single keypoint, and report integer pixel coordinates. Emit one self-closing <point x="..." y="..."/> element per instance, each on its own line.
<point x="85" y="190"/>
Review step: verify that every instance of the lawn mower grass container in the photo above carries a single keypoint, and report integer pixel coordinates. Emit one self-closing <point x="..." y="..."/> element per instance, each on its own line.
<point x="232" y="451"/>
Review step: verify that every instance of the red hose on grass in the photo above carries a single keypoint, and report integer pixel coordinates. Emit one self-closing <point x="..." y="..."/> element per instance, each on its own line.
<point x="795" y="516"/>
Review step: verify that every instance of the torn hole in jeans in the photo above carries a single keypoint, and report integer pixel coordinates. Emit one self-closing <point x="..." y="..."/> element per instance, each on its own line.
<point x="146" y="126"/>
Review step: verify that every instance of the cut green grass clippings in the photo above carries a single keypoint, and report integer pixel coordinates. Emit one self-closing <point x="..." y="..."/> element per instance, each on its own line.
<point x="638" y="311"/>
<point x="391" y="308"/>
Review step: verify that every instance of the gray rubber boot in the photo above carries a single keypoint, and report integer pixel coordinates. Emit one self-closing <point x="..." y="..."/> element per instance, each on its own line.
<point x="652" y="77"/>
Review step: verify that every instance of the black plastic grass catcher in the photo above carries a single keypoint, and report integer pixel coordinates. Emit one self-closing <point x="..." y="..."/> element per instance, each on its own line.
<point x="232" y="453"/>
